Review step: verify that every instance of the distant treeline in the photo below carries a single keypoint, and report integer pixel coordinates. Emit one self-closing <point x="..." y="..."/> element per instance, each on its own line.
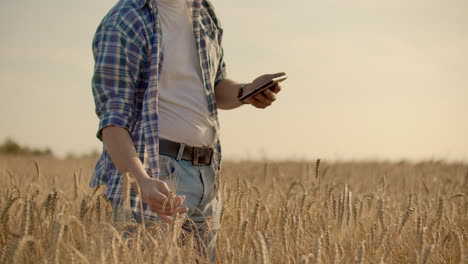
<point x="9" y="146"/>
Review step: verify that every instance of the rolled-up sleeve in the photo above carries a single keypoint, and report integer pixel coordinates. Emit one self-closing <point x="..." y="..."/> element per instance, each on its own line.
<point x="118" y="62"/>
<point x="221" y="72"/>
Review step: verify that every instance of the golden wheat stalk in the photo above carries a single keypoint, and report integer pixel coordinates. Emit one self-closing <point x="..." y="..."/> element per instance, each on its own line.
<point x="18" y="252"/>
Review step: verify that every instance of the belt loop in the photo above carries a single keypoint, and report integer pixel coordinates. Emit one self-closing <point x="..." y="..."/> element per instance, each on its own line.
<point x="181" y="151"/>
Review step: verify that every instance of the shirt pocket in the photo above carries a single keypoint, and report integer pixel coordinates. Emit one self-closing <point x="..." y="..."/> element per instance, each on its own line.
<point x="167" y="168"/>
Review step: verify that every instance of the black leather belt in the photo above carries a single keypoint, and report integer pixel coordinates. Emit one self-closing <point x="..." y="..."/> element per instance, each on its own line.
<point x="198" y="156"/>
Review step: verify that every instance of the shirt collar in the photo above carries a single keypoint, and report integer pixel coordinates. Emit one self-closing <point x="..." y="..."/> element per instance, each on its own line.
<point x="196" y="4"/>
<point x="142" y="3"/>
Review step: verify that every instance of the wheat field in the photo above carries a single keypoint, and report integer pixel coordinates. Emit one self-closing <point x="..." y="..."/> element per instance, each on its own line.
<point x="273" y="212"/>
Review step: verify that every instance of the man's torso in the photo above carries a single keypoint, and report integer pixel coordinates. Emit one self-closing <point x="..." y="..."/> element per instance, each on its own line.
<point x="183" y="106"/>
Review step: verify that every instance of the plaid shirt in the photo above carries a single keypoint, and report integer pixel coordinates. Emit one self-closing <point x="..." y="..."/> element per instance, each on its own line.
<point x="128" y="55"/>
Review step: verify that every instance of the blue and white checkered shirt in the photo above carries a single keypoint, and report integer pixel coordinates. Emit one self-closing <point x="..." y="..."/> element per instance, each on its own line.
<point x="128" y="56"/>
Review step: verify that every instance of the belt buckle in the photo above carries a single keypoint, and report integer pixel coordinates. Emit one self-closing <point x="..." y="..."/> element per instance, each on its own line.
<point x="206" y="158"/>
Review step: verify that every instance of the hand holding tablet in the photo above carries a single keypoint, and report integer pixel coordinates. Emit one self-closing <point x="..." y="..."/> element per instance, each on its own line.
<point x="258" y="88"/>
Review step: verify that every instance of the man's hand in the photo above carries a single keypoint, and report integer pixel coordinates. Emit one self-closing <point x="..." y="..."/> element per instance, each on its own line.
<point x="154" y="192"/>
<point x="160" y="198"/>
<point x="267" y="97"/>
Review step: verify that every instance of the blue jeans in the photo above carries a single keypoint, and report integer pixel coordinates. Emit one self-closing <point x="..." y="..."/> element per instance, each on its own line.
<point x="197" y="183"/>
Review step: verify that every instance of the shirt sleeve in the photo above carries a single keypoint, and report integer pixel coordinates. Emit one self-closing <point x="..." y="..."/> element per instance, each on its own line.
<point x="221" y="73"/>
<point x="118" y="61"/>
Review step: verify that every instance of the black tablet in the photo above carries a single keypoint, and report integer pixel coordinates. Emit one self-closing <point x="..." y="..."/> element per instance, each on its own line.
<point x="263" y="87"/>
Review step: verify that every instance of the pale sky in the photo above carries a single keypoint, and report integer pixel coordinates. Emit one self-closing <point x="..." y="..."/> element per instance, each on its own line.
<point x="368" y="79"/>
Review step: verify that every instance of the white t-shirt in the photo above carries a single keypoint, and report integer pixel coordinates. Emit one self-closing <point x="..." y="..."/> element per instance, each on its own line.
<point x="183" y="104"/>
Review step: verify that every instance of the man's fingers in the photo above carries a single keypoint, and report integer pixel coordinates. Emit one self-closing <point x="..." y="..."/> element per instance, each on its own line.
<point x="179" y="211"/>
<point x="179" y="200"/>
<point x="163" y="187"/>
<point x="163" y="204"/>
<point x="167" y="211"/>
<point x="270" y="95"/>
<point x="277" y="88"/>
<point x="161" y="199"/>
<point x="157" y="198"/>
<point x="258" y="104"/>
<point x="172" y="204"/>
<point x="262" y="99"/>
<point x="166" y="218"/>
